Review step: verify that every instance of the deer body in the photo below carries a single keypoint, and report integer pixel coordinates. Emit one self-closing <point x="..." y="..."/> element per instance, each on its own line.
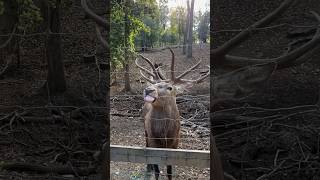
<point x="162" y="122"/>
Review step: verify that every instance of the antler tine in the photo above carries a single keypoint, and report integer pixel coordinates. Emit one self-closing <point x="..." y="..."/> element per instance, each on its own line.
<point x="173" y="78"/>
<point x="143" y="69"/>
<point x="199" y="80"/>
<point x="156" y="76"/>
<point x="189" y="70"/>
<point x="146" y="78"/>
<point x="162" y="77"/>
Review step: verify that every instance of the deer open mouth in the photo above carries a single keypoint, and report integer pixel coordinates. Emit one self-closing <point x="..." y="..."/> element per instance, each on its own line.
<point x="149" y="99"/>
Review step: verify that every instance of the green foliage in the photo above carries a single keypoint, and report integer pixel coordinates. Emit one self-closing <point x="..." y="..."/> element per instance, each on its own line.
<point x="1" y="7"/>
<point x="177" y="23"/>
<point x="164" y="11"/>
<point x="119" y="41"/>
<point x="28" y="14"/>
<point x="203" y="26"/>
<point x="136" y="176"/>
<point x="150" y="23"/>
<point x="136" y="25"/>
<point x="63" y="3"/>
<point x="148" y="12"/>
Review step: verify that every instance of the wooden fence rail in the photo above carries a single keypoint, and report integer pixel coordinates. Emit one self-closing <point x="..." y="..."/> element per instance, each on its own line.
<point x="161" y="156"/>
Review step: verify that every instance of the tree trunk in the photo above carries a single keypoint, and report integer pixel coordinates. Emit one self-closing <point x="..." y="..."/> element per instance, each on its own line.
<point x="186" y="32"/>
<point x="143" y="41"/>
<point x="127" y="78"/>
<point x="9" y="44"/>
<point x="190" y="41"/>
<point x="127" y="86"/>
<point x="56" y="81"/>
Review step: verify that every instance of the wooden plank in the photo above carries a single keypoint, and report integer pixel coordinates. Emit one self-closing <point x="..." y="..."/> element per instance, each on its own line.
<point x="161" y="156"/>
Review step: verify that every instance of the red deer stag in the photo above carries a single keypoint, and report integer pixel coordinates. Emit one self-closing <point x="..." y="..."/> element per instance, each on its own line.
<point x="160" y="111"/>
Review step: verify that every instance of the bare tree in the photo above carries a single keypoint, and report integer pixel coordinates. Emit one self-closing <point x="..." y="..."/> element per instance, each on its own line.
<point x="127" y="86"/>
<point x="186" y="30"/>
<point x="9" y="45"/>
<point x="252" y="72"/>
<point x="190" y="31"/>
<point x="56" y="81"/>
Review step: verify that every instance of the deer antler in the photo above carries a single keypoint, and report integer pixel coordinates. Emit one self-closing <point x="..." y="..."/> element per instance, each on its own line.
<point x="158" y="69"/>
<point x="155" y="74"/>
<point x="172" y="65"/>
<point x="179" y="78"/>
<point x="160" y="78"/>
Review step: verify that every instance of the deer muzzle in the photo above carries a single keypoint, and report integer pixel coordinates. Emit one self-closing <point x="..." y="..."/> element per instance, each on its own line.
<point x="149" y="95"/>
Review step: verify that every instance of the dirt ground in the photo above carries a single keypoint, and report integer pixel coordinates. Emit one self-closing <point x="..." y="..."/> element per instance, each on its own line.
<point x="273" y="134"/>
<point x="127" y="124"/>
<point x="57" y="131"/>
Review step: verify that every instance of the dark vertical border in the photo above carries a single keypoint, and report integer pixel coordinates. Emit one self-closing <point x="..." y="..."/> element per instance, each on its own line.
<point x="105" y="170"/>
<point x="211" y="88"/>
<point x="215" y="161"/>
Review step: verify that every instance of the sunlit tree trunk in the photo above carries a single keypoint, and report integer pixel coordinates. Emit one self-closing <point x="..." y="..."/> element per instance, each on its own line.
<point x="186" y="30"/>
<point x="190" y="39"/>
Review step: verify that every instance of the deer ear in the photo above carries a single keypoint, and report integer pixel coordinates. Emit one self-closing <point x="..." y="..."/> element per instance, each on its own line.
<point x="181" y="88"/>
<point x="242" y="82"/>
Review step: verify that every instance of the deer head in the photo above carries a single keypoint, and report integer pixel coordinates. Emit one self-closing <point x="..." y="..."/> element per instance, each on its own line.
<point x="161" y="89"/>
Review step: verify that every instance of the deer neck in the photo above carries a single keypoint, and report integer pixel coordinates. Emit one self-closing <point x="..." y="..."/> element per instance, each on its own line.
<point x="165" y="109"/>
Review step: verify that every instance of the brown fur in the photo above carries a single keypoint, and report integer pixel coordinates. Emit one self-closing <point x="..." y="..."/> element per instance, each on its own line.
<point x="162" y="120"/>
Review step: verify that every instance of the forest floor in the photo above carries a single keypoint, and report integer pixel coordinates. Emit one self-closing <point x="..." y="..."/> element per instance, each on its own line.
<point x="60" y="131"/>
<point x="275" y="132"/>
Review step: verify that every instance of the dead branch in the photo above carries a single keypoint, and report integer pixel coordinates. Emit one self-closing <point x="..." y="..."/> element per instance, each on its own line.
<point x="271" y="27"/>
<point x="295" y="57"/>
<point x="301" y="32"/>
<point x="9" y="39"/>
<point x="272" y="172"/>
<point x="5" y="68"/>
<point x="101" y="39"/>
<point x="232" y="43"/>
<point x="48" y="169"/>
<point x="99" y="20"/>
<point x="285" y="60"/>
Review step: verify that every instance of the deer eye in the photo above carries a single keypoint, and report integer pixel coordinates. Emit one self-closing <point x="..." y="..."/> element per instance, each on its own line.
<point x="169" y="88"/>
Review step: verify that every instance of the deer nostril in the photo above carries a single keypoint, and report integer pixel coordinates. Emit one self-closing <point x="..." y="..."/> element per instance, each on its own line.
<point x="148" y="91"/>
